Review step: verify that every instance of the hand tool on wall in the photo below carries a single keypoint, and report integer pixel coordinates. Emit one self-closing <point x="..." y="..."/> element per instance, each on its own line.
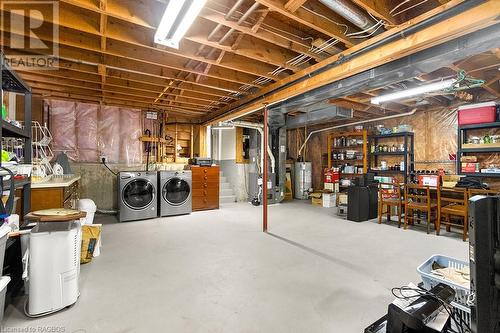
<point x="147" y="148"/>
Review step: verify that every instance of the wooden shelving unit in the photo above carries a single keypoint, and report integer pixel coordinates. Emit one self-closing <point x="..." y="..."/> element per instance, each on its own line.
<point x="164" y="139"/>
<point x="360" y="148"/>
<point x="465" y="148"/>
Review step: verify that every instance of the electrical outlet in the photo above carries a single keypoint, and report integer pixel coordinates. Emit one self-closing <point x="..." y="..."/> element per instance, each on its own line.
<point x="103" y="159"/>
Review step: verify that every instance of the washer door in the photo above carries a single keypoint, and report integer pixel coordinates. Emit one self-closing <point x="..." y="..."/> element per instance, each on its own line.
<point x="138" y="194"/>
<point x="176" y="191"/>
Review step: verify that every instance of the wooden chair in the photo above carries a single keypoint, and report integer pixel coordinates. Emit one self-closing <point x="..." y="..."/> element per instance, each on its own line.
<point x="453" y="202"/>
<point x="418" y="198"/>
<point x="475" y="191"/>
<point x="390" y="195"/>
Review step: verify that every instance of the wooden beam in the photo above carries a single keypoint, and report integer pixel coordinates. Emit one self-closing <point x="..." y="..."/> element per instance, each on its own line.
<point x="476" y="18"/>
<point x="84" y="98"/>
<point x="293" y="5"/>
<point x="259" y="21"/>
<point x="310" y="20"/>
<point x="487" y="86"/>
<point x="130" y="65"/>
<point x="82" y="72"/>
<point x="294" y="44"/>
<point x="62" y="87"/>
<point x="103" y="30"/>
<point x="140" y="40"/>
<point x="378" y="8"/>
<point x="88" y="46"/>
<point x="250" y="48"/>
<point x="125" y="13"/>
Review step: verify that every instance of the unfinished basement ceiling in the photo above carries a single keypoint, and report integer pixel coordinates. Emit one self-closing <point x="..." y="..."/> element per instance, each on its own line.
<point x="234" y="48"/>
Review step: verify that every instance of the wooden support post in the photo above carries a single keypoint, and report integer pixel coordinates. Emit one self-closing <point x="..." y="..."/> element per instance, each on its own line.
<point x="176" y="154"/>
<point x="264" y="173"/>
<point x="191" y="149"/>
<point x="203" y="151"/>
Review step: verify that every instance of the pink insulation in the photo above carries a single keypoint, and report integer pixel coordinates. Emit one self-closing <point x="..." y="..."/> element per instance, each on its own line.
<point x="130" y="132"/>
<point x="108" y="137"/>
<point x="86" y="132"/>
<point x="63" y="123"/>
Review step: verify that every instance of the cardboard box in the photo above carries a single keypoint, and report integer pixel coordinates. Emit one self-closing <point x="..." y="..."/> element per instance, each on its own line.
<point x="332" y="187"/>
<point x="329" y="200"/>
<point x="428" y="180"/>
<point x="342" y="198"/>
<point x="450" y="181"/>
<point x="317" y="198"/>
<point x="468" y="159"/>
<point x="471" y="167"/>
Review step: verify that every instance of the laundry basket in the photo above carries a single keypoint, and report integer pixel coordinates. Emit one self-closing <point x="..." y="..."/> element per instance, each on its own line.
<point x="461" y="293"/>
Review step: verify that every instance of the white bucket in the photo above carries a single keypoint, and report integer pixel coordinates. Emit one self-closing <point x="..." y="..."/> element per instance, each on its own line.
<point x="88" y="206"/>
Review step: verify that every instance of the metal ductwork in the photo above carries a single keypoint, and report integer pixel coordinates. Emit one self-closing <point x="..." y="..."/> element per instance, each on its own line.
<point x="319" y="116"/>
<point x="350" y="12"/>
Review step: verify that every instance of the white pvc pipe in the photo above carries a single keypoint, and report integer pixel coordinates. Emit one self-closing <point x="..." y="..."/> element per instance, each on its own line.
<point x="412" y="112"/>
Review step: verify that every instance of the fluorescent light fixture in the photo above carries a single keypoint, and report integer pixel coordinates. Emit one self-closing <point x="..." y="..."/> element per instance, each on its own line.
<point x="427" y="88"/>
<point x="178" y="17"/>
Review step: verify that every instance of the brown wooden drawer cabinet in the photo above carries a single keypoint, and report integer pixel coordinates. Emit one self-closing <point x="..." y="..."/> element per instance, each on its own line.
<point x="205" y="187"/>
<point x="54" y="197"/>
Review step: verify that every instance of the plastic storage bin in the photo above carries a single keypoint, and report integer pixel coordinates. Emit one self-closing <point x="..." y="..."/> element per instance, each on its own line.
<point x="4" y="235"/>
<point x="4" y="281"/>
<point x="430" y="281"/>
<point x="477" y="113"/>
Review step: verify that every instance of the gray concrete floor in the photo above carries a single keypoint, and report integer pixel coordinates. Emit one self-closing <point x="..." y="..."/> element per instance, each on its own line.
<point x="216" y="271"/>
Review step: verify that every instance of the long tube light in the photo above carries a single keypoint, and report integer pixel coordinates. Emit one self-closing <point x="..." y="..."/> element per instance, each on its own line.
<point x="176" y="20"/>
<point x="427" y="88"/>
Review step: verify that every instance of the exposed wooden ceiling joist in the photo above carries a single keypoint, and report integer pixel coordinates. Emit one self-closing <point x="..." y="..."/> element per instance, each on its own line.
<point x="378" y="8"/>
<point x="108" y="51"/>
<point x="310" y="20"/>
<point x="474" y="19"/>
<point x="291" y="43"/>
<point x="293" y="5"/>
<point x="145" y="96"/>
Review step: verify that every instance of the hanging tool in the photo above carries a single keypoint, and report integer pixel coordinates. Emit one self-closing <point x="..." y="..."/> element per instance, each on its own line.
<point x="147" y="148"/>
<point x="464" y="82"/>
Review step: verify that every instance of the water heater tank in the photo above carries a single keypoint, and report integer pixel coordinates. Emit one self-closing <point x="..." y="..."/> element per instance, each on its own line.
<point x="303" y="179"/>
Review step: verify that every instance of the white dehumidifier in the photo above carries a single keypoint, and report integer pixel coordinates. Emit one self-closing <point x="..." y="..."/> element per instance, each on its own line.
<point x="53" y="267"/>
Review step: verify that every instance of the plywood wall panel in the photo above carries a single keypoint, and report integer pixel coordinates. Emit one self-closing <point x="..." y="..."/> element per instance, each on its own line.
<point x="435" y="138"/>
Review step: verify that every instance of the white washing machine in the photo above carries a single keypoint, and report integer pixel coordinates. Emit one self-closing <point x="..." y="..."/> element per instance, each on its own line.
<point x="175" y="192"/>
<point x="137" y="195"/>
